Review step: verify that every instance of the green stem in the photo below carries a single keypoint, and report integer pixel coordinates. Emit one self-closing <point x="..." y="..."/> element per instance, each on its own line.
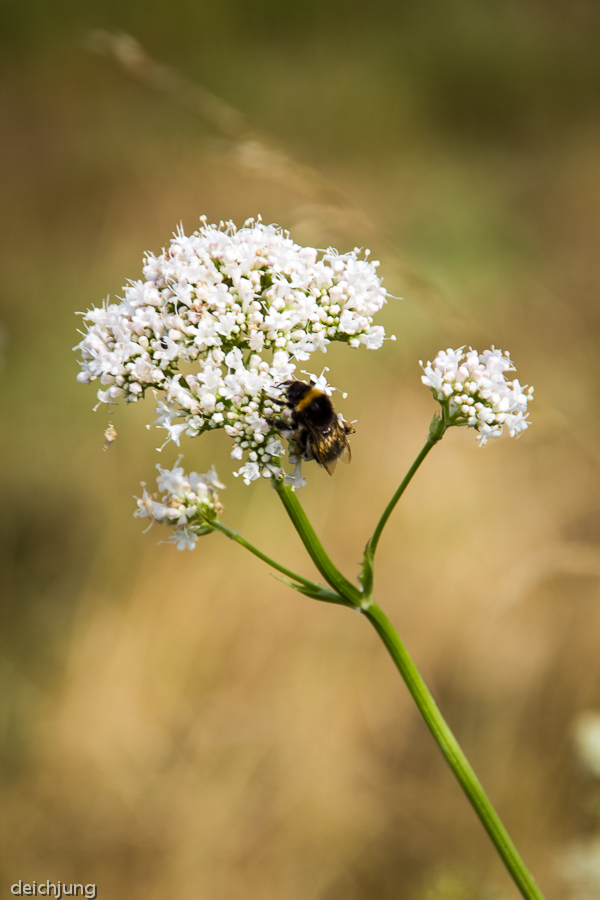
<point x="313" y="545"/>
<point x="230" y="533"/>
<point x="409" y="672"/>
<point x="372" y="545"/>
<point x="452" y="751"/>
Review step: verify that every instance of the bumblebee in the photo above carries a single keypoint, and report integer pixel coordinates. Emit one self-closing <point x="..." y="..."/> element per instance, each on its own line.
<point x="318" y="432"/>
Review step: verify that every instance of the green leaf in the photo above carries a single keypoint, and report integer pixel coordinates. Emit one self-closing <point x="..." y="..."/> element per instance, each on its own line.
<point x="319" y="592"/>
<point x="367" y="571"/>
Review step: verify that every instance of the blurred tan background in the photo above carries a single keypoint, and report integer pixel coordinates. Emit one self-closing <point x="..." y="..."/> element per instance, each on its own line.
<point x="180" y="724"/>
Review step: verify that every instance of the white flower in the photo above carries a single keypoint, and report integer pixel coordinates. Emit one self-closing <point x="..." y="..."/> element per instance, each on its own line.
<point x="189" y="502"/>
<point x="296" y="479"/>
<point x="243" y="307"/>
<point x="586" y="732"/>
<point x="473" y="391"/>
<point x="250" y="472"/>
<point x="184" y="538"/>
<point x="580" y="865"/>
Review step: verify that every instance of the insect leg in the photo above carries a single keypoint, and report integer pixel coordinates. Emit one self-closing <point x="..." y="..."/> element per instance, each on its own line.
<point x="279" y="424"/>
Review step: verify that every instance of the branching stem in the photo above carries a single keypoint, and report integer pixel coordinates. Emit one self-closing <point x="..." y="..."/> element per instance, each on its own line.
<point x="408" y="670"/>
<point x="392" y="504"/>
<point x="234" y="536"/>
<point x="313" y="545"/>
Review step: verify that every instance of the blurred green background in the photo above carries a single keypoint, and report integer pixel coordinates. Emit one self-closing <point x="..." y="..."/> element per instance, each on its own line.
<point x="180" y="724"/>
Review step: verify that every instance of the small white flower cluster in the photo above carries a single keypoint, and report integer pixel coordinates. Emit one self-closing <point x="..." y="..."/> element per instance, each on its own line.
<point x="580" y="862"/>
<point x="224" y="299"/>
<point x="188" y="502"/>
<point x="580" y="867"/>
<point x="586" y="734"/>
<point x="473" y="390"/>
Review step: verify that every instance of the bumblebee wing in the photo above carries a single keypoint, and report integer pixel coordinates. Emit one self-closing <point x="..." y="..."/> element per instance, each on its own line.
<point x="345" y="456"/>
<point x="329" y="446"/>
<point x="329" y="465"/>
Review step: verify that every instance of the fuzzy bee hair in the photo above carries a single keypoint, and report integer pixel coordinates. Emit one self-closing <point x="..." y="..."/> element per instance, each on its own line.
<point x="318" y="432"/>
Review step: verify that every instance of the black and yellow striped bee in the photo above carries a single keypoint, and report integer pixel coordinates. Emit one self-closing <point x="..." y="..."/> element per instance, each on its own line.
<point x="318" y="432"/>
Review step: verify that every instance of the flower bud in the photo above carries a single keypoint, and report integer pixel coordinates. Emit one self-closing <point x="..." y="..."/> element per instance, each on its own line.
<point x="437" y="427"/>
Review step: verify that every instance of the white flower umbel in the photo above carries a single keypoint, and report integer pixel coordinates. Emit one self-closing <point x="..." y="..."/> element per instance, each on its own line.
<point x="188" y="502"/>
<point x="242" y="307"/>
<point x="580" y="865"/>
<point x="586" y="733"/>
<point x="472" y="389"/>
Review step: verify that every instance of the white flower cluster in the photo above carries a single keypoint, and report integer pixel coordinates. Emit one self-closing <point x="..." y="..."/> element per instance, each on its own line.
<point x="189" y="502"/>
<point x="586" y="733"/>
<point x="580" y="866"/>
<point x="473" y="390"/>
<point x="243" y="306"/>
